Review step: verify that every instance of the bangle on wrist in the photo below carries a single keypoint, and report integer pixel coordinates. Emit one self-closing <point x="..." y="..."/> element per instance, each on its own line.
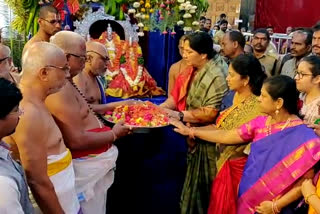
<point x="276" y="209"/>
<point x="114" y="135"/>
<point x="307" y="198"/>
<point x="191" y="133"/>
<point x="273" y="210"/>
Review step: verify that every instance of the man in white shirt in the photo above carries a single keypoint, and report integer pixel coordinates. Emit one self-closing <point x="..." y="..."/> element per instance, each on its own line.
<point x="13" y="187"/>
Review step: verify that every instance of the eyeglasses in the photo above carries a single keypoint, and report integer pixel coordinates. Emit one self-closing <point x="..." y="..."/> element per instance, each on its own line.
<point x="54" y="21"/>
<point x="3" y="59"/>
<point x="66" y="68"/>
<point x="102" y="57"/>
<point x="18" y="111"/>
<point x="300" y="75"/>
<point x="83" y="58"/>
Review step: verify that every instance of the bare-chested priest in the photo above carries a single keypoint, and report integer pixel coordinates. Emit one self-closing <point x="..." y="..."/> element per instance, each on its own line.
<point x="91" y="143"/>
<point x="88" y="80"/>
<point x="6" y="65"/>
<point x="49" y="24"/>
<point x="44" y="157"/>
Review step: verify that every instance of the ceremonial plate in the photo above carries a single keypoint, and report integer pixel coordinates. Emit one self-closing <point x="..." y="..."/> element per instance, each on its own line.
<point x="143" y="115"/>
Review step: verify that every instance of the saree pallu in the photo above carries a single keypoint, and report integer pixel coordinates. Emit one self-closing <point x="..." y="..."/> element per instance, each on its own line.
<point x="206" y="90"/>
<point x="180" y="89"/>
<point x="286" y="156"/>
<point x="231" y="159"/>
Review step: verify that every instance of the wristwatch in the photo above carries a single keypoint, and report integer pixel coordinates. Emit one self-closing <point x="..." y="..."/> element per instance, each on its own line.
<point x="181" y="115"/>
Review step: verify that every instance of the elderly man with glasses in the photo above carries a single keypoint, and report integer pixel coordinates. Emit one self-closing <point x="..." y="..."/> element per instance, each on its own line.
<point x="89" y="81"/>
<point x="45" y="159"/>
<point x="90" y="141"/>
<point x="6" y="65"/>
<point x="49" y="24"/>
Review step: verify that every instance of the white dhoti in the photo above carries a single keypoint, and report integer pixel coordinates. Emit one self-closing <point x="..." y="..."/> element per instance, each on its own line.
<point x="61" y="174"/>
<point x="94" y="176"/>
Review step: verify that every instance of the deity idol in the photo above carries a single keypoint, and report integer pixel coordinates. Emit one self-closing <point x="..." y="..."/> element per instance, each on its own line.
<point x="126" y="74"/>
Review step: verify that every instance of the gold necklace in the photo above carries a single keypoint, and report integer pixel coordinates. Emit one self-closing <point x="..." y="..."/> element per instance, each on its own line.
<point x="269" y="131"/>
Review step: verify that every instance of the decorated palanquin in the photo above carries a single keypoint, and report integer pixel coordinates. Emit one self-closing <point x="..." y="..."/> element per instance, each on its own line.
<point x="126" y="74"/>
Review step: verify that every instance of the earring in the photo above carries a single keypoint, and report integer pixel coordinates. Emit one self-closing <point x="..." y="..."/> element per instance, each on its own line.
<point x="277" y="112"/>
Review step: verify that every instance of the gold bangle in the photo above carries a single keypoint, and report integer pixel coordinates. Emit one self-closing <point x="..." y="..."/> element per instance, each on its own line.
<point x="276" y="209"/>
<point x="307" y="198"/>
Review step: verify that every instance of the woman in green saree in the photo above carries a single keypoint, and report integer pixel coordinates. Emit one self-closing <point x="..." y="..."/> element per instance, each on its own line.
<point x="196" y="99"/>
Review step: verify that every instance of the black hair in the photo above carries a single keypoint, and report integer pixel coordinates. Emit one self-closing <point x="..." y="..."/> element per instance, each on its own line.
<point x="44" y="10"/>
<point x="308" y="33"/>
<point x="10" y="97"/>
<point x="202" y="18"/>
<point x="270" y="27"/>
<point x="202" y="43"/>
<point x="264" y="31"/>
<point x="316" y="28"/>
<point x="249" y="66"/>
<point x="284" y="87"/>
<point x="223" y="22"/>
<point x="237" y="36"/>
<point x="223" y="15"/>
<point x="314" y="61"/>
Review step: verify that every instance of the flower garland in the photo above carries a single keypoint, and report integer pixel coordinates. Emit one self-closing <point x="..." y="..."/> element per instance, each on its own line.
<point x="131" y="82"/>
<point x="132" y="64"/>
<point x="129" y="62"/>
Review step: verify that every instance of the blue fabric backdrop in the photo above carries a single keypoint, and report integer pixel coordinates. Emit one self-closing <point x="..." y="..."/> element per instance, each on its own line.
<point x="162" y="53"/>
<point x="151" y="166"/>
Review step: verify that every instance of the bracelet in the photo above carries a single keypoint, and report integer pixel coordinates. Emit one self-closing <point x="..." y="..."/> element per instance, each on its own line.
<point x="114" y="135"/>
<point x="273" y="210"/>
<point x="307" y="198"/>
<point x="191" y="133"/>
<point x="276" y="209"/>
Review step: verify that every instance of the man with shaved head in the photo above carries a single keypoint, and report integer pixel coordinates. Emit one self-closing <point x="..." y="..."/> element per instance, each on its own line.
<point x="90" y="142"/>
<point x="44" y="157"/>
<point x="89" y="81"/>
<point x="6" y="64"/>
<point x="49" y="24"/>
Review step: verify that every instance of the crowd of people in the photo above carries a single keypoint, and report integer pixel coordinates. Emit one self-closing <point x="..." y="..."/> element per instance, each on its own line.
<point x="250" y="118"/>
<point x="254" y="139"/>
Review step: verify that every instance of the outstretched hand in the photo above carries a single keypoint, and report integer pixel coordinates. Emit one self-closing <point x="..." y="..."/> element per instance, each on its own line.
<point x="120" y="129"/>
<point x="180" y="127"/>
<point x="265" y="207"/>
<point x="315" y="127"/>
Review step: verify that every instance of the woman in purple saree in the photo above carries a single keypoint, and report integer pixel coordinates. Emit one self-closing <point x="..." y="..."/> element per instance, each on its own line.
<point x="282" y="154"/>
